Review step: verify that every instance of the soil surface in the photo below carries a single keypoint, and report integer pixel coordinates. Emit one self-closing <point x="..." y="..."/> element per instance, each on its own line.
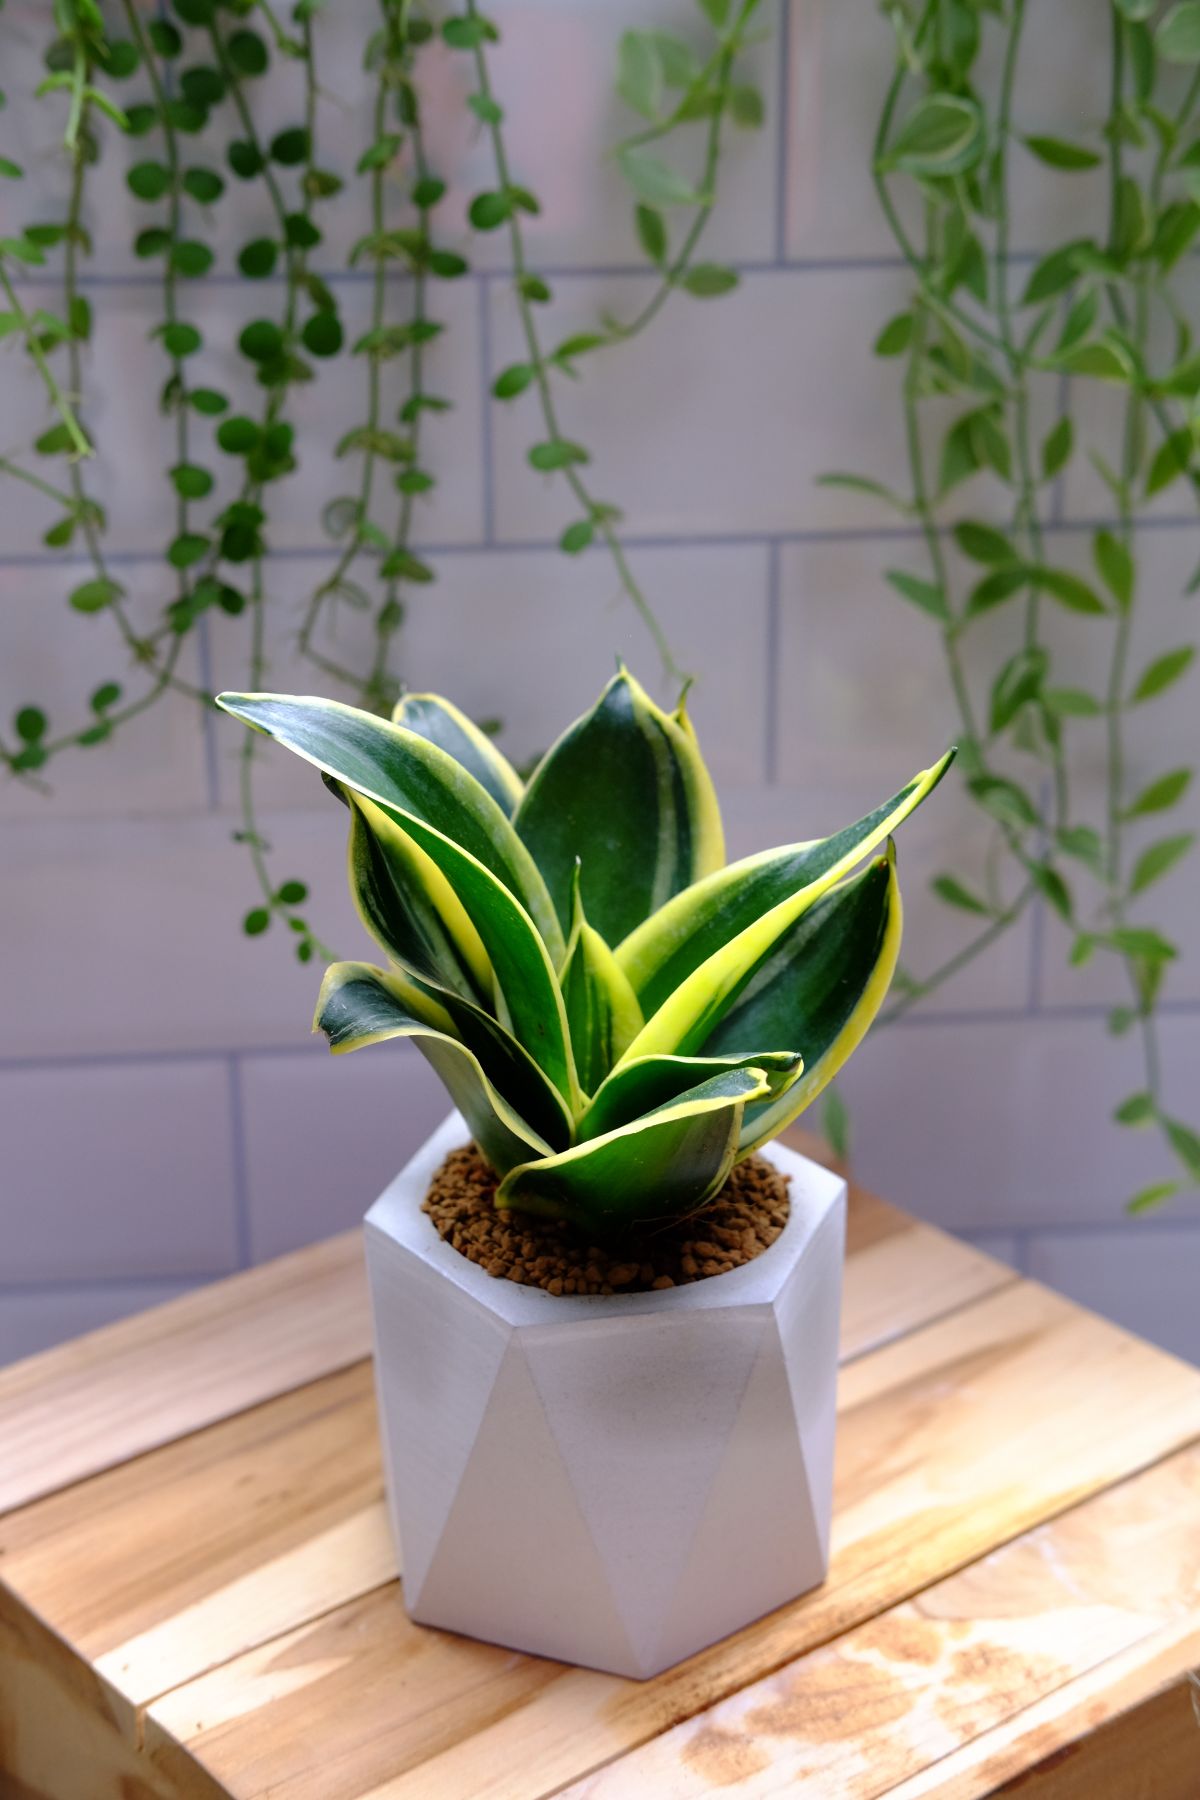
<point x="748" y="1214"/>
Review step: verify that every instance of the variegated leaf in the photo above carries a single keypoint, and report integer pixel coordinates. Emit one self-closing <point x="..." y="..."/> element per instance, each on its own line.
<point x="625" y="789"/>
<point x="818" y="991"/>
<point x="640" y="1087"/>
<point x="660" y="955"/>
<point x="396" y="767"/>
<point x="603" y="1015"/>
<point x="670" y="1161"/>
<point x="368" y="750"/>
<point x="361" y="1005"/>
<point x="408" y="906"/>
<point x="440" y="722"/>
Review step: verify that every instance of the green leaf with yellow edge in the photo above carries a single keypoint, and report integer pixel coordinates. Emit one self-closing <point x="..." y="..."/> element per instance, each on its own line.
<point x="664" y="951"/>
<point x="817" y="991"/>
<point x="360" y="1005"/>
<point x="729" y="995"/>
<point x="395" y="766"/>
<point x="671" y="1160"/>
<point x="603" y="1015"/>
<point x="440" y="722"/>
<point x="626" y="790"/>
<point x="408" y="906"/>
<point x="416" y="783"/>
<point x="650" y="1082"/>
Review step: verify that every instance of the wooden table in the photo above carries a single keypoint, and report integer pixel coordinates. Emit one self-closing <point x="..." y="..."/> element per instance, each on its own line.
<point x="198" y="1596"/>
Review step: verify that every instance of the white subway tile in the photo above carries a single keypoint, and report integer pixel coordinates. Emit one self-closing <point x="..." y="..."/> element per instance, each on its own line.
<point x="721" y="416"/>
<point x="1158" y="736"/>
<point x="124" y="936"/>
<point x="991" y="1125"/>
<point x="1145" y="1280"/>
<point x="863" y="701"/>
<point x="554" y="71"/>
<point x="47" y="1316"/>
<point x="325" y="1134"/>
<point x="117" y="1169"/>
<point x="842" y="60"/>
<point x="533" y="637"/>
<point x="56" y="659"/>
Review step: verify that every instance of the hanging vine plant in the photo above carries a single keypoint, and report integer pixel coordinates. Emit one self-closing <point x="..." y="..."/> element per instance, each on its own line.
<point x="999" y="343"/>
<point x="178" y="81"/>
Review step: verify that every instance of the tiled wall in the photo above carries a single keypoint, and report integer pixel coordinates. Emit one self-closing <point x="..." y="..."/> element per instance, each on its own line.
<point x="165" y="1117"/>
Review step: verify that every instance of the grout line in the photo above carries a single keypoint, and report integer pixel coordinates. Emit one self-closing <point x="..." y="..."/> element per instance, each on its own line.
<point x="783" y="130"/>
<point x="241" y="1197"/>
<point x="487" y="451"/>
<point x="771" y="675"/>
<point x="342" y="277"/>
<point x="647" y="540"/>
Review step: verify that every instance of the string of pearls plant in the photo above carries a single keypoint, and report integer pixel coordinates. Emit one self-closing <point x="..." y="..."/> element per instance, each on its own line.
<point x="186" y="81"/>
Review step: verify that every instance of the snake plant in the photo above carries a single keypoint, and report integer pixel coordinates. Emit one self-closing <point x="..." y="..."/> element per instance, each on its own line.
<point x="618" y="1013"/>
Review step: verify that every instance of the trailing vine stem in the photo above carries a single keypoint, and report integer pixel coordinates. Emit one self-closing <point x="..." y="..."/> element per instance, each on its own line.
<point x="178" y="380"/>
<point x="355" y="540"/>
<point x="960" y="163"/>
<point x="205" y="554"/>
<point x="390" y="615"/>
<point x="597" y="514"/>
<point x="690" y="243"/>
<point x="79" y="441"/>
<point x="377" y="688"/>
<point x="278" y="899"/>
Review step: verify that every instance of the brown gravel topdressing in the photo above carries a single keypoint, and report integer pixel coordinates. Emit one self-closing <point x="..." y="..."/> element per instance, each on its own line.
<point x="748" y="1214"/>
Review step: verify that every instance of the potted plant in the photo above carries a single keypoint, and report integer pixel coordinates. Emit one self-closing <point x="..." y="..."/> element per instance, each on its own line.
<point x="626" y="1467"/>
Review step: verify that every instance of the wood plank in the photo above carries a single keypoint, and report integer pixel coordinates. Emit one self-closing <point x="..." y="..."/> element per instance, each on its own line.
<point x="905" y="1274"/>
<point x="63" y="1732"/>
<point x="284" y="1522"/>
<point x="1114" y="1690"/>
<point x="952" y="1440"/>
<point x="1151" y="1752"/>
<point x="149" y="1379"/>
<point x="880" y="1711"/>
<point x="156" y="1569"/>
<point x="244" y="1340"/>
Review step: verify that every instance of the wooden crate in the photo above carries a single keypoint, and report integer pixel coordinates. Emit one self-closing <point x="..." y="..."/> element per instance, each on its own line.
<point x="199" y="1596"/>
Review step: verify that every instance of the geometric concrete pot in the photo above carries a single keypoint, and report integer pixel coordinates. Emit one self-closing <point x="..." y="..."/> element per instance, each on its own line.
<point x="613" y="1480"/>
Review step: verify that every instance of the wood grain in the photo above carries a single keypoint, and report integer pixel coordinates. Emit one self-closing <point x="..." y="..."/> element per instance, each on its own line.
<point x="174" y="1369"/>
<point x="159" y="1569"/>
<point x="168" y="1565"/>
<point x="242" y="1341"/>
<point x="64" y="1734"/>
<point x="198" y="1595"/>
<point x="952" y="1440"/>
<point x="895" y="1697"/>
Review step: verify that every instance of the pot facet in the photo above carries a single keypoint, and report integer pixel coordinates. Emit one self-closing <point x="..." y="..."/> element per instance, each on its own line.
<point x="618" y="1480"/>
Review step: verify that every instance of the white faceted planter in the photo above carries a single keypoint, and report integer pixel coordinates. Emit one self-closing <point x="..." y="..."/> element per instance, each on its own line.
<point x="609" y="1480"/>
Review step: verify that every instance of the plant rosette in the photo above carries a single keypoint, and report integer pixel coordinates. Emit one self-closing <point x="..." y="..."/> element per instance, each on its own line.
<point x="620" y="1017"/>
